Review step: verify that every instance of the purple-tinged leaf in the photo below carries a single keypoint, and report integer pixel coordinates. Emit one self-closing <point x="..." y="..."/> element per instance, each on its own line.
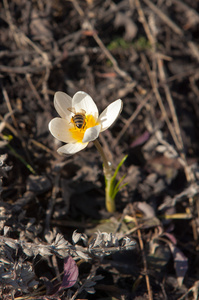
<point x="171" y="237"/>
<point x="70" y="273"/>
<point x="140" y="140"/>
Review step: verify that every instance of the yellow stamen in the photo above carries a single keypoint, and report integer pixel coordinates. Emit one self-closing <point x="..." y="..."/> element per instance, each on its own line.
<point x="78" y="133"/>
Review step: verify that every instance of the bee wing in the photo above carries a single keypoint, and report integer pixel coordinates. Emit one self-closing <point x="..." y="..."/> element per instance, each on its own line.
<point x="72" y="109"/>
<point x="82" y="111"/>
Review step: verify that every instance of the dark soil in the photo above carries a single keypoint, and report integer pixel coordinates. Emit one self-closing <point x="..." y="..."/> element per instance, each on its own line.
<point x="145" y="52"/>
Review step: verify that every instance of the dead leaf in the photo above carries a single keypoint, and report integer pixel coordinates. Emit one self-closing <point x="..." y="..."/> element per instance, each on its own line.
<point x="70" y="273"/>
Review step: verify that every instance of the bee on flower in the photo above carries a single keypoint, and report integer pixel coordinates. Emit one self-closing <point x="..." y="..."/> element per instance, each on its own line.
<point x="80" y="122"/>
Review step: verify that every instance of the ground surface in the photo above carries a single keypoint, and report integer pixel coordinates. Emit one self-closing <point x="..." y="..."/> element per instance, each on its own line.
<point x="145" y="52"/>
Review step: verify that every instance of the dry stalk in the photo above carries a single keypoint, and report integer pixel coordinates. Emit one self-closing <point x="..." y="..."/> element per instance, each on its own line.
<point x="181" y="75"/>
<point x="180" y="146"/>
<point x="132" y="118"/>
<point x="7" y="125"/>
<point x="192" y="46"/>
<point x="107" y="53"/>
<point x="35" y="92"/>
<point x="154" y="84"/>
<point x="150" y="293"/>
<point x="51" y="203"/>
<point x="43" y="147"/>
<point x="164" y="17"/>
<point x="16" y="131"/>
<point x="5" y="94"/>
<point x="144" y="23"/>
<point x="117" y="69"/>
<point x="189" y="174"/>
<point x="21" y="39"/>
<point x="175" y="131"/>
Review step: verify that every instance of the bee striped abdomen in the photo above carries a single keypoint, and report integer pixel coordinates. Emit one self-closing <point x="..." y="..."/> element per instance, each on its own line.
<point x="79" y="117"/>
<point x="79" y="120"/>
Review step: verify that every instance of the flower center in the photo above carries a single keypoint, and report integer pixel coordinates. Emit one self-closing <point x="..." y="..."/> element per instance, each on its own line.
<point x="81" y="123"/>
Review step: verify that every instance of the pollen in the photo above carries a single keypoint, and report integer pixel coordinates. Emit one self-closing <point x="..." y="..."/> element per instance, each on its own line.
<point x="78" y="133"/>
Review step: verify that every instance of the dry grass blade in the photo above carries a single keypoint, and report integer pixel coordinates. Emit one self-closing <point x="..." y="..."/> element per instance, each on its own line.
<point x="164" y="17"/>
<point x="145" y="24"/>
<point x="153" y="80"/>
<point x="149" y="289"/>
<point x="132" y="118"/>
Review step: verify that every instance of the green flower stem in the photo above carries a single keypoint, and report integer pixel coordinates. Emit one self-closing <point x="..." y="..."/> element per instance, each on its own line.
<point x="110" y="202"/>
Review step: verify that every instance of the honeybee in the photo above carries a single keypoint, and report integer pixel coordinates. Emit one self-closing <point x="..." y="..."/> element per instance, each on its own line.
<point x="79" y="117"/>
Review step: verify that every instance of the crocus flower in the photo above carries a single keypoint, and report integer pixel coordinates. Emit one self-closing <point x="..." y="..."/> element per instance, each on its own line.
<point x="80" y="122"/>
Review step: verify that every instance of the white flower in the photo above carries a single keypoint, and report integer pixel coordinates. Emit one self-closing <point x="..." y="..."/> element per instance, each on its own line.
<point x="80" y="122"/>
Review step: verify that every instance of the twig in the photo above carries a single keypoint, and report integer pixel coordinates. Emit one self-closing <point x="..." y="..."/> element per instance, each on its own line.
<point x="195" y="89"/>
<point x="6" y="124"/>
<point x="150" y="293"/>
<point x="154" y="85"/>
<point x="15" y="131"/>
<point x="192" y="46"/>
<point x="176" y="134"/>
<point x="181" y="75"/>
<point x="107" y="53"/>
<point x="165" y="18"/>
<point x="5" y="94"/>
<point x="132" y="118"/>
<point x="43" y="147"/>
<point x="19" y="35"/>
<point x="36" y="94"/>
<point x="56" y="268"/>
<point x="45" y="85"/>
<point x="180" y="145"/>
<point x="117" y="69"/>
<point x="144" y="23"/>
<point x="51" y="203"/>
<point x="21" y="70"/>
<point x="170" y="102"/>
<point x="194" y="49"/>
<point x="192" y="15"/>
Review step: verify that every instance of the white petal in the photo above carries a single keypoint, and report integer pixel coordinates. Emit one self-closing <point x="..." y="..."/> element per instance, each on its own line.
<point x="110" y="114"/>
<point x="82" y="100"/>
<point x="59" y="128"/>
<point x="91" y="133"/>
<point x="62" y="102"/>
<point x="70" y="149"/>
